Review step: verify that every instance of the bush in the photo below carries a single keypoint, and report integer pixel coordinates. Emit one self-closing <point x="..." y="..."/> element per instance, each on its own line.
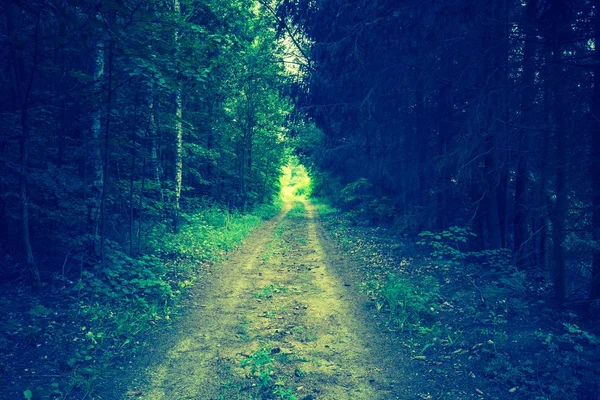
<point x="130" y="294"/>
<point x="405" y="301"/>
<point x="446" y="245"/>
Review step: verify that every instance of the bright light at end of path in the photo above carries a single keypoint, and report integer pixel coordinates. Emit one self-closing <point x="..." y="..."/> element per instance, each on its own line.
<point x="295" y="181"/>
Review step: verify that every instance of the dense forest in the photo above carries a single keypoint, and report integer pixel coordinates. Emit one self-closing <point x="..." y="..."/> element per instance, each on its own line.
<point x="119" y="116"/>
<point x="142" y="140"/>
<point x="480" y="114"/>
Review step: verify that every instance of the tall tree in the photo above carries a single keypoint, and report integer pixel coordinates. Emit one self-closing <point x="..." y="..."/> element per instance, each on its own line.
<point x="595" y="158"/>
<point x="22" y="86"/>
<point x="178" y="126"/>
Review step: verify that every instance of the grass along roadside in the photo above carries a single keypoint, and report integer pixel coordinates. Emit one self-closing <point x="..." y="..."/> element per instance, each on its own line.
<point x="472" y="322"/>
<point x="67" y="344"/>
<point x="278" y="327"/>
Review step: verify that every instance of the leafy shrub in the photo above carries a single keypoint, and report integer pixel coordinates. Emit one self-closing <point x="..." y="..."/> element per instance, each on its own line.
<point x="563" y="367"/>
<point x="262" y="370"/>
<point x="269" y="210"/>
<point x="446" y="245"/>
<point x="357" y="193"/>
<point x="405" y="301"/>
<point x="363" y="206"/>
<point x="383" y="209"/>
<point x="298" y="210"/>
<point x="130" y="294"/>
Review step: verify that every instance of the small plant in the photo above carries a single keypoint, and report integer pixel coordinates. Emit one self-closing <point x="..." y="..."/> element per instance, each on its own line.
<point x="304" y="334"/>
<point x="446" y="245"/>
<point x="261" y="368"/>
<point x="269" y="290"/>
<point x="298" y="210"/>
<point x="267" y="255"/>
<point x="405" y="301"/>
<point x="284" y="394"/>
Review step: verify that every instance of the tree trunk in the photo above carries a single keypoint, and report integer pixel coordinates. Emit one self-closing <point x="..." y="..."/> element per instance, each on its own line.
<point x="141" y="204"/>
<point x="155" y="162"/>
<point x="94" y="203"/>
<point x="103" y="221"/>
<point x="543" y="197"/>
<point x="32" y="268"/>
<point x="527" y="102"/>
<point x="560" y="210"/>
<point x="421" y="141"/>
<point x="595" y="167"/>
<point x="178" y="131"/>
<point x="560" y="213"/>
<point x="492" y="13"/>
<point x="443" y="195"/>
<point x="132" y="176"/>
<point x="17" y="70"/>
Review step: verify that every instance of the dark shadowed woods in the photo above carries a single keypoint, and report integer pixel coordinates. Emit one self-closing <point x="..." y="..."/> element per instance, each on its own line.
<point x="452" y="149"/>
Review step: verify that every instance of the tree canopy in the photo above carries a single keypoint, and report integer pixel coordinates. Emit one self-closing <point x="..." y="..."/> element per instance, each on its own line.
<point x="474" y="114"/>
<point x="120" y="115"/>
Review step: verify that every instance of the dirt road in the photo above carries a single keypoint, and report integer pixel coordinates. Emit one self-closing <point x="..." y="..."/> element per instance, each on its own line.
<point x="280" y="318"/>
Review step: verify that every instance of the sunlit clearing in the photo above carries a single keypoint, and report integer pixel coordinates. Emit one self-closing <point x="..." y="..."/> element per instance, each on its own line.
<point x="295" y="181"/>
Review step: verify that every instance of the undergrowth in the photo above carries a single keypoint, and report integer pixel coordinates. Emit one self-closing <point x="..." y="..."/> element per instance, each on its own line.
<point x="266" y="386"/>
<point x="405" y="301"/>
<point x="474" y="310"/>
<point x="132" y="294"/>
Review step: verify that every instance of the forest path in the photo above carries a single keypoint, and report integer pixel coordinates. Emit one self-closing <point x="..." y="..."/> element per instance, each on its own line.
<point x="278" y="317"/>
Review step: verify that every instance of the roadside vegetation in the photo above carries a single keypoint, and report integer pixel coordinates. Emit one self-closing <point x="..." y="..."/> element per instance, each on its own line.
<point x="68" y="345"/>
<point x="473" y="319"/>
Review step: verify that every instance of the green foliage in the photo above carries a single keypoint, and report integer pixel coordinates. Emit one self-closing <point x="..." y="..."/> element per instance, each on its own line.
<point x="446" y="245"/>
<point x="209" y="232"/>
<point x="295" y="181"/>
<point x="270" y="290"/>
<point x="325" y="185"/>
<point x="262" y="370"/>
<point x="362" y="203"/>
<point x="405" y="301"/>
<point x="298" y="210"/>
<point x="131" y="294"/>
<point x="268" y="210"/>
<point x="323" y="208"/>
<point x="561" y="366"/>
<point x="307" y="138"/>
<point x="356" y="193"/>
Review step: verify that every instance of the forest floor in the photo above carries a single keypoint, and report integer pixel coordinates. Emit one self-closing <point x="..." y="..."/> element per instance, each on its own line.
<point x="302" y="310"/>
<point x="280" y="319"/>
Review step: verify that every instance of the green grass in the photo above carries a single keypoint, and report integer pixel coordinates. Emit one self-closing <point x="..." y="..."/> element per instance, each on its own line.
<point x="262" y="368"/>
<point x="304" y="334"/>
<point x="298" y="210"/>
<point x="269" y="290"/>
<point x="323" y="207"/>
<point x="131" y="295"/>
